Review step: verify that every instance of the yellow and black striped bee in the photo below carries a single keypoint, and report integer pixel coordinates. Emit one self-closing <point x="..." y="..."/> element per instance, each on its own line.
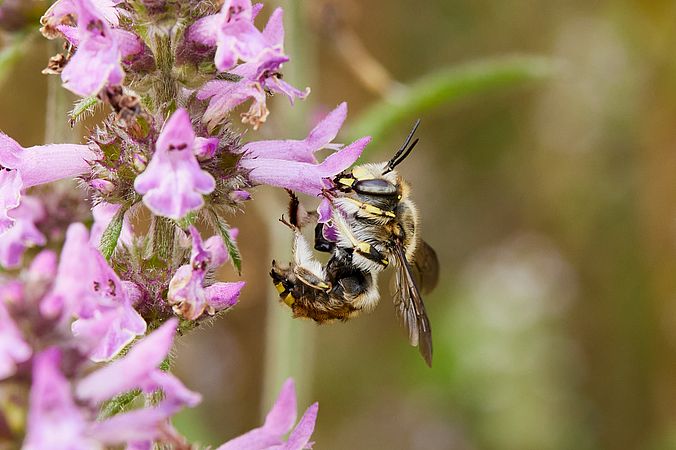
<point x="374" y="223"/>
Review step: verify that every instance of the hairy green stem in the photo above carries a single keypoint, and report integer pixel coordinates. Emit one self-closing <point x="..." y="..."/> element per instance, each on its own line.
<point x="166" y="87"/>
<point x="162" y="232"/>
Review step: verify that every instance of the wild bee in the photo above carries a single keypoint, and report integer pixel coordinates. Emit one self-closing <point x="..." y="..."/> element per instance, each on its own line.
<point x="373" y="223"/>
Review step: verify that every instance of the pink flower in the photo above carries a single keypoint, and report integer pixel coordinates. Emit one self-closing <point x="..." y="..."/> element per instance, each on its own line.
<point x="173" y="183"/>
<point x="88" y="289"/>
<point x="291" y="163"/>
<point x="233" y="33"/>
<point x="22" y="168"/>
<point x="257" y="75"/>
<point x="61" y="10"/>
<point x="23" y="234"/>
<point x="186" y="291"/>
<point x="100" y="49"/>
<point x="13" y="348"/>
<point x="319" y="138"/>
<point x="58" y="420"/>
<point x="54" y="420"/>
<point x="278" y="422"/>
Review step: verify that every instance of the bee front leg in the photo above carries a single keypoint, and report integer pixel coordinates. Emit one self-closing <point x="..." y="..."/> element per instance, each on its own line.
<point x="371" y="257"/>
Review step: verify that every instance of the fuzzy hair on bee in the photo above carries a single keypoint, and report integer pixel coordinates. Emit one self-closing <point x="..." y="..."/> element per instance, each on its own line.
<point x="375" y="224"/>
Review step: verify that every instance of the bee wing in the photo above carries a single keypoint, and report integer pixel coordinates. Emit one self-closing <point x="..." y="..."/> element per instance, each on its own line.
<point x="425" y="267"/>
<point x="409" y="307"/>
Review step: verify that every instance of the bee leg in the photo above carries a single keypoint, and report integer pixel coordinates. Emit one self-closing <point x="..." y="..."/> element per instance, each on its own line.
<point x="369" y="252"/>
<point x="371" y="209"/>
<point x="359" y="247"/>
<point x="305" y="300"/>
<point x="284" y="283"/>
<point x="298" y="215"/>
<point x="293" y="227"/>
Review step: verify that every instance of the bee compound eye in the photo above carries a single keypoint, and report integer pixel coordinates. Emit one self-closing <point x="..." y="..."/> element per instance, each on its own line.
<point x="376" y="186"/>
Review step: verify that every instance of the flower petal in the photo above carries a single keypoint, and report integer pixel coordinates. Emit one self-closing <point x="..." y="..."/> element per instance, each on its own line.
<point x="220" y="296"/>
<point x="13" y="348"/>
<point x="54" y="420"/>
<point x="10" y="196"/>
<point x="301" y="435"/>
<point x="23" y="234"/>
<point x="173" y="182"/>
<point x="282" y="415"/>
<point x="46" y="163"/>
<point x="133" y="370"/>
<point x="299" y="176"/>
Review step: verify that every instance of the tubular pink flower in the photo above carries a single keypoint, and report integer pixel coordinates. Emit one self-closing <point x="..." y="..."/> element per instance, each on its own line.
<point x="98" y="59"/>
<point x="173" y="183"/>
<point x="138" y="369"/>
<point x="21" y="168"/>
<point x="15" y="240"/>
<point x="319" y="138"/>
<point x="187" y="294"/>
<point x="233" y="33"/>
<point x="301" y="176"/>
<point x="57" y="421"/>
<point x="54" y="420"/>
<point x="61" y="9"/>
<point x="13" y="348"/>
<point x="258" y="75"/>
<point x="88" y="289"/>
<point x="278" y="422"/>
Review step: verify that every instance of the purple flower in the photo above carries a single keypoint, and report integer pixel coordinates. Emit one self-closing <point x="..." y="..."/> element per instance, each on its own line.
<point x="21" y="168"/>
<point x="278" y="422"/>
<point x="87" y="288"/>
<point x="13" y="348"/>
<point x="57" y="421"/>
<point x="62" y="12"/>
<point x="186" y="291"/>
<point x="54" y="420"/>
<point x="173" y="182"/>
<point x="319" y="138"/>
<point x="233" y="33"/>
<point x="257" y="76"/>
<point x="23" y="234"/>
<point x="255" y="79"/>
<point x="98" y="59"/>
<point x="291" y="164"/>
<point x="205" y="148"/>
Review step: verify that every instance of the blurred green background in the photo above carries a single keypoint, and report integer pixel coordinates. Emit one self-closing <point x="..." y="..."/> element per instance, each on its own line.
<point x="549" y="195"/>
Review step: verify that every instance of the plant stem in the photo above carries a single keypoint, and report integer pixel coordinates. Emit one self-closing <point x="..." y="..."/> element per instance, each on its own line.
<point x="162" y="232"/>
<point x="289" y="349"/>
<point x="166" y="89"/>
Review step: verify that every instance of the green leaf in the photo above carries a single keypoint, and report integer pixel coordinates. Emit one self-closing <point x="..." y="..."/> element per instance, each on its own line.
<point x="448" y="85"/>
<point x="119" y="404"/>
<point x="224" y="230"/>
<point x="84" y="107"/>
<point x="188" y="220"/>
<point x="112" y="234"/>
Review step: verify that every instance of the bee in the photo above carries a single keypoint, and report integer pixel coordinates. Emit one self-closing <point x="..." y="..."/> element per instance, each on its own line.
<point x="374" y="224"/>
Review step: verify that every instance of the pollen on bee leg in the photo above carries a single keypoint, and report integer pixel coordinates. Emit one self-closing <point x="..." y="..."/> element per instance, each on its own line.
<point x="280" y="287"/>
<point x="289" y="300"/>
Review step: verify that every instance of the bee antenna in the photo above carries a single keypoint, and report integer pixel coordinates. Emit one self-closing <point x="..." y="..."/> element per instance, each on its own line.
<point x="403" y="151"/>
